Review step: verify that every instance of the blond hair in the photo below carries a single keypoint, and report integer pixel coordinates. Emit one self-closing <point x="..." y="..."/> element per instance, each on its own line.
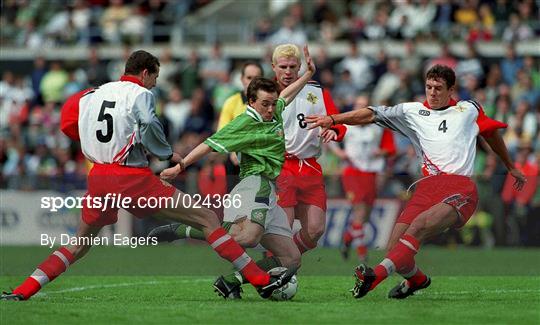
<point x="286" y="51"/>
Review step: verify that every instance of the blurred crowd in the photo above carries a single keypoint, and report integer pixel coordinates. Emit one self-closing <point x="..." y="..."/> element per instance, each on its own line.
<point x="38" y="24"/>
<point x="190" y="93"/>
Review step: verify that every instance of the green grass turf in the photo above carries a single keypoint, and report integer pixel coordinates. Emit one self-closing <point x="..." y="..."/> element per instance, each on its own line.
<point x="172" y="284"/>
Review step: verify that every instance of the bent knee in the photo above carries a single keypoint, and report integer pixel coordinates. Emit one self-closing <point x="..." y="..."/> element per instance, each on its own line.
<point x="315" y="232"/>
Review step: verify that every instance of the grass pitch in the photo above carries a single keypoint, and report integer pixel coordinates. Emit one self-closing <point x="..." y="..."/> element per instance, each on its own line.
<point x="172" y="284"/>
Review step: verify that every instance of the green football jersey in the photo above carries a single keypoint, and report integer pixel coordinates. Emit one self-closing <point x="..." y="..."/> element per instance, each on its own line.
<point x="261" y="144"/>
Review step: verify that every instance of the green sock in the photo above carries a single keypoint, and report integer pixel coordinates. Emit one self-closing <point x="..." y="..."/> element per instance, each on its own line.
<point x="266" y="264"/>
<point x="184" y="231"/>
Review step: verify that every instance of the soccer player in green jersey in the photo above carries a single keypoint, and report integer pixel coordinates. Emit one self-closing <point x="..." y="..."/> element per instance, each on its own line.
<point x="257" y="135"/>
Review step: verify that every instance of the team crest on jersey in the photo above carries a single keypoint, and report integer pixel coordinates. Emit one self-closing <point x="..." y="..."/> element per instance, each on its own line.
<point x="312" y="98"/>
<point x="460" y="108"/>
<point x="423" y="112"/>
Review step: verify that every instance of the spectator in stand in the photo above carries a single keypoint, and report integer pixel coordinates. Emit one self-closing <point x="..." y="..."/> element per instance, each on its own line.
<point x="345" y="91"/>
<point x="290" y="32"/>
<point x="358" y="65"/>
<point x="378" y="29"/>
<point x="167" y="69"/>
<point x="53" y="83"/>
<point x="40" y="69"/>
<point x="176" y="111"/>
<point x="96" y="70"/>
<point x="469" y="66"/>
<point x="510" y="65"/>
<point x="112" y="19"/>
<point x="445" y="58"/>
<point x="263" y="30"/>
<point x="388" y="84"/>
<point x="189" y="74"/>
<point x="215" y="68"/>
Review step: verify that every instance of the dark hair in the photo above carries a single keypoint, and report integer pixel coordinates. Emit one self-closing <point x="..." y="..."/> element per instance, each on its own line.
<point x="260" y="83"/>
<point x="248" y="63"/>
<point x="443" y="72"/>
<point x="140" y="60"/>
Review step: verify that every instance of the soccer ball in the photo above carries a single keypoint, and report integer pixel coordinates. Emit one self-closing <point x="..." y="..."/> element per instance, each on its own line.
<point x="286" y="292"/>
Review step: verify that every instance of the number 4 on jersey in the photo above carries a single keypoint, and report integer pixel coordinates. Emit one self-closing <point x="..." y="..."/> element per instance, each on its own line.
<point x="442" y="126"/>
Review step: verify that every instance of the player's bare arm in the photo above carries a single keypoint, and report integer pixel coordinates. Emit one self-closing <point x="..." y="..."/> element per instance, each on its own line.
<point x="292" y="90"/>
<point x="356" y="117"/>
<point x="496" y="143"/>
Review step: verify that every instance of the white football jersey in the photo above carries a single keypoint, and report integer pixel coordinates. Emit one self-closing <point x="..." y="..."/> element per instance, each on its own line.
<point x="117" y="122"/>
<point x="361" y="143"/>
<point x="445" y="138"/>
<point x="299" y="141"/>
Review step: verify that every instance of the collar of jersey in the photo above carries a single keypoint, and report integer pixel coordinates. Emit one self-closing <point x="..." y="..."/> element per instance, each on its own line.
<point x="132" y="79"/>
<point x="254" y="114"/>
<point x="452" y="102"/>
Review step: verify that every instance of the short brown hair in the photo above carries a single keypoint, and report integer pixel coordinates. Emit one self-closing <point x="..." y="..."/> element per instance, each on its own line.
<point x="260" y="83"/>
<point x="140" y="60"/>
<point x="443" y="72"/>
<point x="253" y="63"/>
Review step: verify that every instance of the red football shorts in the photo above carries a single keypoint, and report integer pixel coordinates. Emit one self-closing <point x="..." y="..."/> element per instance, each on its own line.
<point x="126" y="181"/>
<point x="360" y="187"/>
<point x="301" y="181"/>
<point x="455" y="190"/>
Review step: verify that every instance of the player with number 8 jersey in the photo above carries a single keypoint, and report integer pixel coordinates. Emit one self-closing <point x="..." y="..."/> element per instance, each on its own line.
<point x="300" y="185"/>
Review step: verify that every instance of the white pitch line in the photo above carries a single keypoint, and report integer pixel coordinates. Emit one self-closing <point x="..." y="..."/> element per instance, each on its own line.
<point x="479" y="291"/>
<point x="116" y="285"/>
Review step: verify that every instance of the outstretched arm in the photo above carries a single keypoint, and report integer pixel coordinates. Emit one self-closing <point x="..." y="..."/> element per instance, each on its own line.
<point x="196" y="154"/>
<point x="358" y="116"/>
<point x="496" y="143"/>
<point x="292" y="90"/>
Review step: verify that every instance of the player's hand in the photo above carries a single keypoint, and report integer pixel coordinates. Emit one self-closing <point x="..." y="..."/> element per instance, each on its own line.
<point x="329" y="135"/>
<point x="520" y="179"/>
<point x="324" y="121"/>
<point x="171" y="173"/>
<point x="310" y="64"/>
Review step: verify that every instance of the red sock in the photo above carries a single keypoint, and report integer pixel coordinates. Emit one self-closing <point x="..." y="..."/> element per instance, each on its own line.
<point x="347" y="237"/>
<point x="415" y="277"/>
<point x="229" y="249"/>
<point x="47" y="271"/>
<point x="400" y="259"/>
<point x="303" y="243"/>
<point x="356" y="230"/>
<point x="361" y="251"/>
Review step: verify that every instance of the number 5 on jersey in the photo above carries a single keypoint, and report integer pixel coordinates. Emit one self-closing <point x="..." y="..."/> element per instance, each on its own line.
<point x="107" y="118"/>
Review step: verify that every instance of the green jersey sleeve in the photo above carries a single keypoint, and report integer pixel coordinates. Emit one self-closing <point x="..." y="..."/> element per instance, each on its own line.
<point x="280" y="106"/>
<point x="233" y="137"/>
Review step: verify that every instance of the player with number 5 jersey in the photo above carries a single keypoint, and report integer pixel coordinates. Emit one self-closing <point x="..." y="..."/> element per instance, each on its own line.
<point x="443" y="132"/>
<point x="116" y="123"/>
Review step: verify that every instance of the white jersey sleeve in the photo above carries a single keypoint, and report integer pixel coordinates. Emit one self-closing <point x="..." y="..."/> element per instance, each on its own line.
<point x="117" y="124"/>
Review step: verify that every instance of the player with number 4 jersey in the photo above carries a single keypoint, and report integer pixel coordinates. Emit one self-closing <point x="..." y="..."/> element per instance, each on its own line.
<point x="443" y="133"/>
